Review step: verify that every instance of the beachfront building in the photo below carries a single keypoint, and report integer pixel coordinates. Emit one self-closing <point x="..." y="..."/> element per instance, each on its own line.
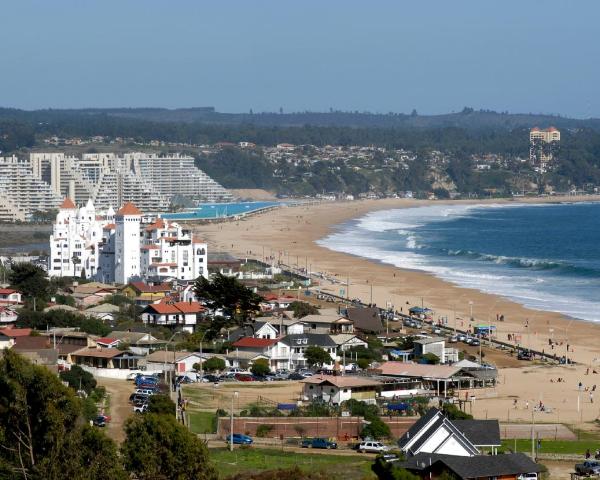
<point x="337" y="389"/>
<point x="75" y="239"/>
<point x="170" y="252"/>
<point x="543" y="148"/>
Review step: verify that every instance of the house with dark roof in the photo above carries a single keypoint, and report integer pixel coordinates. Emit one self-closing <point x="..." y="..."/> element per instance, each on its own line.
<point x="510" y="466"/>
<point x="141" y="343"/>
<point x="434" y="433"/>
<point x="173" y="314"/>
<point x="337" y="389"/>
<point x="365" y="319"/>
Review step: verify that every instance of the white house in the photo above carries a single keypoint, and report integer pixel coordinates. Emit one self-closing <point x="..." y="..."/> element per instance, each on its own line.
<point x="288" y="352"/>
<point x="7" y="315"/>
<point x="179" y="362"/>
<point x="104" y="311"/>
<point x="337" y="389"/>
<point x="9" y="296"/>
<point x="169" y="251"/>
<point x="127" y="243"/>
<point x="173" y="314"/>
<point x="346" y="341"/>
<point x="434" y="433"/>
<point x="75" y="239"/>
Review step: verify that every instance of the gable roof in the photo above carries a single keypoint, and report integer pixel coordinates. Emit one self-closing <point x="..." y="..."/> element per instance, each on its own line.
<point x="143" y="287"/>
<point x="326" y="319"/>
<point x="160" y="356"/>
<point x="418" y="426"/>
<point x="7" y="291"/>
<point x="318" y="339"/>
<point x="128" y="209"/>
<point x="251" y="342"/>
<point x="135" y="338"/>
<point x="346" y="381"/>
<point x="478" y="466"/>
<point x="98" y="352"/>
<point x="165" y="308"/>
<point x="67" y="203"/>
<point x="480" y="432"/>
<point x="366" y="319"/>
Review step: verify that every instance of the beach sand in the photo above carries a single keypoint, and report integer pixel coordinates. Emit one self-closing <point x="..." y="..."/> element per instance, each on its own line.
<point x="289" y="235"/>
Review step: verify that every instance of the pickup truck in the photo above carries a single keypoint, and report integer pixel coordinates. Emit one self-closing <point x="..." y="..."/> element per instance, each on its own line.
<point x="318" y="443"/>
<point x="588" y="468"/>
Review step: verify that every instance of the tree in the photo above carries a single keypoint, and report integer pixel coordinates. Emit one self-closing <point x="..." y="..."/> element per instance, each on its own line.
<point x="228" y="294"/>
<point x="376" y="428"/>
<point x="430" y="358"/>
<point x="78" y="378"/>
<point x="260" y="367"/>
<point x="42" y="432"/>
<point x="316" y="356"/>
<point x="157" y="447"/>
<point x="214" y="364"/>
<point x="30" y="280"/>
<point x="302" y="309"/>
<point x="454" y="413"/>
<point x="162" y="405"/>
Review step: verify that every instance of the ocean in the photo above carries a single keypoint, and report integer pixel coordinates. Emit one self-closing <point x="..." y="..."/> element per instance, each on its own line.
<point x="543" y="256"/>
<point x="219" y="210"/>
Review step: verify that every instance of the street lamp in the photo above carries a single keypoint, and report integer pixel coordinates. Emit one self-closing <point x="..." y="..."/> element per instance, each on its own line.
<point x="235" y="394"/>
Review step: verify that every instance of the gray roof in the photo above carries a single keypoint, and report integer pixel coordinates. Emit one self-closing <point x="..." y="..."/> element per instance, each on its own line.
<point x="102" y="308"/>
<point x="478" y="466"/>
<point x="366" y="319"/>
<point x="417" y="426"/>
<point x="222" y="257"/>
<point x="480" y="432"/>
<point x="318" y="339"/>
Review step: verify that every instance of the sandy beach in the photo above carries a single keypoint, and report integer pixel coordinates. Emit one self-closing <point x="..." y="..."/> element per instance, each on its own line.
<point x="289" y="234"/>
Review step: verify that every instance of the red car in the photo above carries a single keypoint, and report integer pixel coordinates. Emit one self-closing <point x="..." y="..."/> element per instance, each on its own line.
<point x="244" y="377"/>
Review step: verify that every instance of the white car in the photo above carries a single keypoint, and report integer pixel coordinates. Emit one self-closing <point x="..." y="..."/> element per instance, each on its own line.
<point x="141" y="408"/>
<point x="372" y="447"/>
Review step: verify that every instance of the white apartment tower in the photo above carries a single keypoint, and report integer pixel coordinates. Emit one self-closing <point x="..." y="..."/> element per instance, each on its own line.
<point x="543" y="148"/>
<point x="127" y="243"/>
<point x="169" y="251"/>
<point x="75" y="241"/>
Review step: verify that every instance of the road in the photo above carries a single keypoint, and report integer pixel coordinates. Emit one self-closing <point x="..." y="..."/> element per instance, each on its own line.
<point x="120" y="409"/>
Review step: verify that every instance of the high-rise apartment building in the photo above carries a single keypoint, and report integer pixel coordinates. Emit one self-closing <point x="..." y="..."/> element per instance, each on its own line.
<point x="543" y="148"/>
<point x="127" y="243"/>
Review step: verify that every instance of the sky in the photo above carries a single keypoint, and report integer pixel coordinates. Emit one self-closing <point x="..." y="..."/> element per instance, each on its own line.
<point x="236" y="55"/>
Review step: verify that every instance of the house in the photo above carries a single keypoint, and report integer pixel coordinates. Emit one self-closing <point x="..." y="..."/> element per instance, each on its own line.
<point x="107" y="342"/>
<point x="70" y="336"/>
<point x="7" y="315"/>
<point x="365" y="319"/>
<point x="258" y="329"/>
<point x="105" y="312"/>
<point x="173" y="314"/>
<point x="9" y="296"/>
<point x="434" y="433"/>
<point x="510" y="466"/>
<point x="243" y="359"/>
<point x="273" y="302"/>
<point x="437" y="347"/>
<point x="484" y="434"/>
<point x="145" y="294"/>
<point x="288" y="352"/>
<point x="223" y="263"/>
<point x="347" y="341"/>
<point x="337" y="389"/>
<point x="140" y="343"/>
<point x="105" y="358"/>
<point x="91" y="293"/>
<point x="179" y="362"/>
<point x="254" y="345"/>
<point x="328" y="324"/>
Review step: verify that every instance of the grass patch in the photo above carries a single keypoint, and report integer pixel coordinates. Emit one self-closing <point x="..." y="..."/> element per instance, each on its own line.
<point x="202" y="422"/>
<point x="571" y="447"/>
<point x="344" y="467"/>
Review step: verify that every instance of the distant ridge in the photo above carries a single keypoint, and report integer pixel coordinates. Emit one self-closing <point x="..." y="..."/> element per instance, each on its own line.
<point x="468" y="119"/>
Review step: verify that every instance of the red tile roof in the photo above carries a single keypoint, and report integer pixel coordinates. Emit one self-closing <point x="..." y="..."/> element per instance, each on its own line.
<point x="67" y="204"/>
<point x="158" y="223"/>
<point x="129" y="209"/>
<point x="189" y="307"/>
<point x="175" y="308"/>
<point x="107" y="340"/>
<point x="145" y="288"/>
<point x="251" y="342"/>
<point x="16" y="332"/>
<point x="7" y="291"/>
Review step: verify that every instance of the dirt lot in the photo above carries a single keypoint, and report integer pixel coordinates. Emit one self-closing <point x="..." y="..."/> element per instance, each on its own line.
<point x="120" y="409"/>
<point x="208" y="397"/>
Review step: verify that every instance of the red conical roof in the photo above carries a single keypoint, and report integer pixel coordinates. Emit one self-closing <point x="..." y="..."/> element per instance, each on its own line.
<point x="67" y="204"/>
<point x="129" y="209"/>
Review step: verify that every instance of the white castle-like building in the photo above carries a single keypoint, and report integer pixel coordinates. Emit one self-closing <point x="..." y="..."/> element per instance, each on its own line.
<point x="115" y="248"/>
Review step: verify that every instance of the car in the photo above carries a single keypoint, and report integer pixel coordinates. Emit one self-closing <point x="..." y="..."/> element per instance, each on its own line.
<point x="453" y="339"/>
<point x="588" y="467"/>
<point x="528" y="476"/>
<point x="137" y="398"/>
<point x="372" y="447"/>
<point x="318" y="443"/>
<point x="140" y="408"/>
<point x="475" y="342"/>
<point x="524" y="355"/>
<point x="145" y="391"/>
<point x="100" y="421"/>
<point x="295" y="376"/>
<point x="237" y="370"/>
<point x="210" y="379"/>
<point x="461" y="337"/>
<point x="239" y="439"/>
<point x="244" y="377"/>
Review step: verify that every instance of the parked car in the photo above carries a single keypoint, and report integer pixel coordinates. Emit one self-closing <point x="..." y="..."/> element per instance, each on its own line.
<point x="372" y="447"/>
<point x="461" y="337"/>
<point x="240" y="439"/>
<point x="475" y="342"/>
<point x="138" y="398"/>
<point x="295" y="376"/>
<point x="237" y="370"/>
<point x="244" y="377"/>
<point x="145" y="391"/>
<point x="210" y="379"/>
<point x="100" y="421"/>
<point x="453" y="339"/>
<point x="528" y="476"/>
<point x="141" y="408"/>
<point x="589" y="467"/>
<point x="436" y="330"/>
<point x="318" y="443"/>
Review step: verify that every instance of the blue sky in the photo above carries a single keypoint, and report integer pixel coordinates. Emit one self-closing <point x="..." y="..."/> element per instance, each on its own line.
<point x="381" y="56"/>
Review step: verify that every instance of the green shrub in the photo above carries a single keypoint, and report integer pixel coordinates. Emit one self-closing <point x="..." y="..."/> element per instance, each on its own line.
<point x="263" y="430"/>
